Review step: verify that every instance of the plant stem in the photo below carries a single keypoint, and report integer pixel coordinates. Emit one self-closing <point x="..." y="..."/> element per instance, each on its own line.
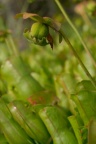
<point x="77" y="56"/>
<point x="11" y="46"/>
<point x="74" y="28"/>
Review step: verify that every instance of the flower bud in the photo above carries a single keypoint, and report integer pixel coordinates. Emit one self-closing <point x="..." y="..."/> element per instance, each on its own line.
<point x="39" y="30"/>
<point x="35" y="29"/>
<point x="43" y="32"/>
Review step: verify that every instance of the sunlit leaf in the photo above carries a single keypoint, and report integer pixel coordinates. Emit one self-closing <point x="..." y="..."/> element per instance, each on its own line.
<point x="10" y="128"/>
<point x="87" y="101"/>
<point x="29" y="121"/>
<point x="57" y="125"/>
<point x="76" y="129"/>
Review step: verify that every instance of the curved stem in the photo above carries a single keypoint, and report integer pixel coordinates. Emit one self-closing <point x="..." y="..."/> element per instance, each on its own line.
<point x="77" y="56"/>
<point x="74" y="28"/>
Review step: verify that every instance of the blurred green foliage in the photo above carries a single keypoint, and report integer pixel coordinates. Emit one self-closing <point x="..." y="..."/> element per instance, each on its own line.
<point x="45" y="96"/>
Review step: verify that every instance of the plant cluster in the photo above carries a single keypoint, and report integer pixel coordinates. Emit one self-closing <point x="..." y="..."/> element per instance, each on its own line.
<point x="47" y="96"/>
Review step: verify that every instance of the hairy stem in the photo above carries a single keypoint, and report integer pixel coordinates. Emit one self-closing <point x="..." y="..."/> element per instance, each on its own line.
<point x="74" y="28"/>
<point x="77" y="56"/>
